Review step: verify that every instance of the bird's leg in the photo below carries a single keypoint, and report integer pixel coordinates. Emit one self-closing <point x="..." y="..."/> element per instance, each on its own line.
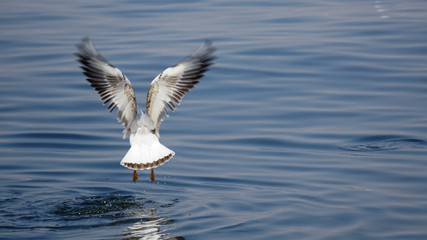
<point x="152" y="175"/>
<point x="135" y="176"/>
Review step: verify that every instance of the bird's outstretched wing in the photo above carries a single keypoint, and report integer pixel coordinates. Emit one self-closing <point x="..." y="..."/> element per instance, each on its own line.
<point x="170" y="86"/>
<point x="111" y="84"/>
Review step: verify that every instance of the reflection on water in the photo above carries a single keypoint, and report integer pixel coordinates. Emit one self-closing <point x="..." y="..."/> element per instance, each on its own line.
<point x="379" y="7"/>
<point x="148" y="228"/>
<point x="139" y="217"/>
<point x="151" y="226"/>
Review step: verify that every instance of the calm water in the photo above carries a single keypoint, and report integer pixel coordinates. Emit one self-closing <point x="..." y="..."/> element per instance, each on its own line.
<point x="311" y="125"/>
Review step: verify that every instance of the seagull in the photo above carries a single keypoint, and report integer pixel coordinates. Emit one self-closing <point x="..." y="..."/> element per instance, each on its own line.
<point x="166" y="91"/>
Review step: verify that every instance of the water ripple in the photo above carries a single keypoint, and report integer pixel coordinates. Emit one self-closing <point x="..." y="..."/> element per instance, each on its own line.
<point x="139" y="215"/>
<point x="385" y="143"/>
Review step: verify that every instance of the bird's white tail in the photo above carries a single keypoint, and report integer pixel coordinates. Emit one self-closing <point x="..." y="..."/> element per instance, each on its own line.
<point x="146" y="152"/>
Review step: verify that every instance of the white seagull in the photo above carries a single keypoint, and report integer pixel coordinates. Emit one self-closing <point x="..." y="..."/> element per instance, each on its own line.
<point x="167" y="89"/>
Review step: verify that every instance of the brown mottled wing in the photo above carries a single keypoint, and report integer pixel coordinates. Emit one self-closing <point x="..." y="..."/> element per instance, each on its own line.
<point x="111" y="84"/>
<point x="170" y="86"/>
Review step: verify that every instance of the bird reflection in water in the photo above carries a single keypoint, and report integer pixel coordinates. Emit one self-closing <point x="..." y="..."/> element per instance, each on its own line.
<point x="151" y="227"/>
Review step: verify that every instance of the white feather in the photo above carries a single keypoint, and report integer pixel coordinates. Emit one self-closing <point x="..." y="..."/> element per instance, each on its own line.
<point x="146" y="151"/>
<point x="111" y="84"/>
<point x="170" y="86"/>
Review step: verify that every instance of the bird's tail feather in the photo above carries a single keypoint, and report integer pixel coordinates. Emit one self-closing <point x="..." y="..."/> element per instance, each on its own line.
<point x="146" y="152"/>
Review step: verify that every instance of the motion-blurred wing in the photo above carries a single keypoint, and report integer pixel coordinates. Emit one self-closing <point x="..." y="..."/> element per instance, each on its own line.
<point x="111" y="84"/>
<point x="170" y="86"/>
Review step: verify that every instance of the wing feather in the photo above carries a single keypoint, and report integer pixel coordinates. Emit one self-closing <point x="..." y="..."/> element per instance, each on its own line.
<point x="170" y="86"/>
<point x="110" y="83"/>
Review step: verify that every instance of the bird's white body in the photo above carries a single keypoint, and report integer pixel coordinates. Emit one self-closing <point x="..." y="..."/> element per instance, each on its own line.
<point x="145" y="151"/>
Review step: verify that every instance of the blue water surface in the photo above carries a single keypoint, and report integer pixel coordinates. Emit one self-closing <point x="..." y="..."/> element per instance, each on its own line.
<point x="312" y="124"/>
